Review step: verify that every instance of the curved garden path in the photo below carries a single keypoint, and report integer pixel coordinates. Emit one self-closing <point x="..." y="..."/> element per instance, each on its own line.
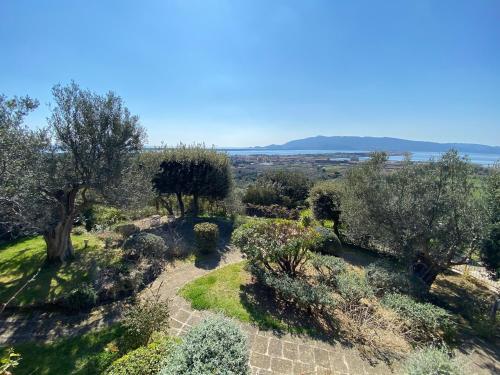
<point x="270" y="353"/>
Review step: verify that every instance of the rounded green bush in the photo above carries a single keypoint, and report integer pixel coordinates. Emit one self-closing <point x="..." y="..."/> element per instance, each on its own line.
<point x="144" y="245"/>
<point x="206" y="236"/>
<point x="352" y="287"/>
<point x="216" y="346"/>
<point x="145" y="360"/>
<point x="385" y="277"/>
<point x="428" y="322"/>
<point x="81" y="298"/>
<point x="327" y="241"/>
<point x="432" y="361"/>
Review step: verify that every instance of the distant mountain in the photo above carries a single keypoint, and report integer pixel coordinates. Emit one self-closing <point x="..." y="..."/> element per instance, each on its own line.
<point x="379" y="144"/>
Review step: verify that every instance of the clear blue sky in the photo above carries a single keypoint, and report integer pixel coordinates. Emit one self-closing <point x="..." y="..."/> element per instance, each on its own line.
<point x="244" y="73"/>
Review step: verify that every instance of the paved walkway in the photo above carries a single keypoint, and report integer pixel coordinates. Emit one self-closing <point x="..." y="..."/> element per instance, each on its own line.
<point x="270" y="353"/>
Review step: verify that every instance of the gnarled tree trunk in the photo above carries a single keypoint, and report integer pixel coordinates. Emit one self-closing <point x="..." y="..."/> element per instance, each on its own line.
<point x="423" y="270"/>
<point x="58" y="235"/>
<point x="181" y="203"/>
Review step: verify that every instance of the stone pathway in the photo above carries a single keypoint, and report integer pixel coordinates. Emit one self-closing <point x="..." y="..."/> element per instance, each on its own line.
<point x="270" y="352"/>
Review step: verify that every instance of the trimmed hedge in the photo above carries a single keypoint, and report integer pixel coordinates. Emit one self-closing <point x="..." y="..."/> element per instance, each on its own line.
<point x="206" y="236"/>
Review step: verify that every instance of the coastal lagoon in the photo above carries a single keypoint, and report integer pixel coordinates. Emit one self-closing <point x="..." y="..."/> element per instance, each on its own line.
<point x="476" y="158"/>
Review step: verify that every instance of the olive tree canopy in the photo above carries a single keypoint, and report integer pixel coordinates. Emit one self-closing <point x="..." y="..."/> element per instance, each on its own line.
<point x="90" y="140"/>
<point x="426" y="214"/>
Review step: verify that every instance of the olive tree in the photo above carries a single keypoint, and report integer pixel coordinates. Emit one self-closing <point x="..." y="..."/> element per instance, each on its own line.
<point x="195" y="171"/>
<point x="91" y="139"/>
<point x="426" y="214"/>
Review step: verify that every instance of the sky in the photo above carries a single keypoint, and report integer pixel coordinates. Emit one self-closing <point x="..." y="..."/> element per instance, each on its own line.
<point x="247" y="73"/>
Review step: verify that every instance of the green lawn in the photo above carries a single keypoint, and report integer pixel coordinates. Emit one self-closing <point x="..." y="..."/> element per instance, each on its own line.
<point x="222" y="290"/>
<point x="20" y="260"/>
<point x="81" y="355"/>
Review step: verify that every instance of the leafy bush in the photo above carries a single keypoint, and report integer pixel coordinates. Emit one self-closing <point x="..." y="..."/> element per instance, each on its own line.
<point x="9" y="360"/>
<point x="126" y="229"/>
<point x="81" y="298"/>
<point x="353" y="287"/>
<point x="103" y="216"/>
<point x="145" y="360"/>
<point x="143" y="319"/>
<point x="426" y="321"/>
<point x="385" y="277"/>
<point x="432" y="361"/>
<point x="144" y="245"/>
<point x="306" y="220"/>
<point x="273" y="211"/>
<point x="275" y="246"/>
<point x="216" y="346"/>
<point x="299" y="292"/>
<point x="325" y="197"/>
<point x="206" y="236"/>
<point x="278" y="187"/>
<point x="327" y="241"/>
<point x="328" y="267"/>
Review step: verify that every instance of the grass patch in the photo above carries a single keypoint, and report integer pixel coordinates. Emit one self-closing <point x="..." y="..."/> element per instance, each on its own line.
<point x="20" y="260"/>
<point x="222" y="290"/>
<point x="83" y="354"/>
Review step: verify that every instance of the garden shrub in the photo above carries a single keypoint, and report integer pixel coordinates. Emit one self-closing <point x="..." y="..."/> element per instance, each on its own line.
<point x="306" y="220"/>
<point x="425" y="321"/>
<point x="216" y="346"/>
<point x="328" y="267"/>
<point x="81" y="298"/>
<point x="145" y="360"/>
<point x="126" y="229"/>
<point x="261" y="194"/>
<point x="206" y="236"/>
<point x="273" y="211"/>
<point x="300" y="293"/>
<point x="386" y="277"/>
<point x="327" y="241"/>
<point x="275" y="246"/>
<point x="432" y="361"/>
<point x="143" y="319"/>
<point x="352" y="287"/>
<point x="144" y="245"/>
<point x="101" y="216"/>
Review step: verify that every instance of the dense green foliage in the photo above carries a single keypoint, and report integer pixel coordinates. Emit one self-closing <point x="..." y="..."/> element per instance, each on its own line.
<point x="387" y="277"/>
<point x="426" y="214"/>
<point x="195" y="171"/>
<point x="275" y="246"/>
<point x="81" y="298"/>
<point x="143" y="319"/>
<point x="144" y="245"/>
<point x="273" y="211"/>
<point x="328" y="268"/>
<point x="145" y="360"/>
<point x="327" y="241"/>
<point x="352" y="287"/>
<point x="280" y="187"/>
<point x="490" y="250"/>
<point x="426" y="321"/>
<point x="432" y="361"/>
<point x="325" y="199"/>
<point x="215" y="346"/>
<point x="206" y="236"/>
